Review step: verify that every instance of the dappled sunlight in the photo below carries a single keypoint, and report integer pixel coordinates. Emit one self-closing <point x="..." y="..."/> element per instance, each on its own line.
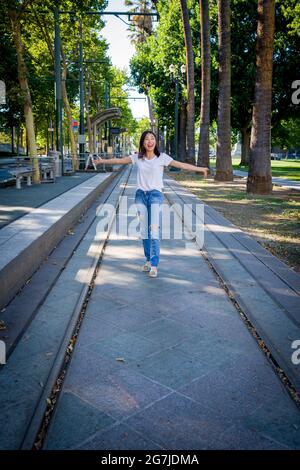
<point x="221" y="228"/>
<point x="213" y="290"/>
<point x="275" y="237"/>
<point x="16" y="208"/>
<point x="222" y="254"/>
<point x="82" y="276"/>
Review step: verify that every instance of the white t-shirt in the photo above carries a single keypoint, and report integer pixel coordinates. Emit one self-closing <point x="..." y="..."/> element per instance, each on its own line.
<point x="150" y="172"/>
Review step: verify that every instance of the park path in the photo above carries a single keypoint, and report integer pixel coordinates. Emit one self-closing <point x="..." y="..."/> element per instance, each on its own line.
<point x="168" y="363"/>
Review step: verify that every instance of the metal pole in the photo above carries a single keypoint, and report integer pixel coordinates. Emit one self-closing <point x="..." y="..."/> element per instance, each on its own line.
<point x="106" y="107"/>
<point x="176" y="119"/>
<point x="81" y="95"/>
<point x="109" y="122"/>
<point x="58" y="98"/>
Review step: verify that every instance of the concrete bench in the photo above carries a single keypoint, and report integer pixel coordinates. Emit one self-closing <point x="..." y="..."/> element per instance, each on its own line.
<point x="6" y="176"/>
<point x="47" y="169"/>
<point x="16" y="169"/>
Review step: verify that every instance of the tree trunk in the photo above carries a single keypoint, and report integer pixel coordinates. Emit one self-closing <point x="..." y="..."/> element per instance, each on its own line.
<point x="246" y="133"/>
<point x="182" y="131"/>
<point x="223" y="161"/>
<point x="68" y="113"/>
<point x="22" y="76"/>
<point x="203" y="151"/>
<point x="190" y="83"/>
<point x="260" y="175"/>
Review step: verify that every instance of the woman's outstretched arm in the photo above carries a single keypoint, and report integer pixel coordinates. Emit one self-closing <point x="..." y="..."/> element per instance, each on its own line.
<point x="189" y="167"/>
<point x="112" y="161"/>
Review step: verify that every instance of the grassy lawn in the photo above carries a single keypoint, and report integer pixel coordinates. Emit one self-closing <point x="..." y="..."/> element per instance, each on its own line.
<point x="274" y="221"/>
<point x="289" y="169"/>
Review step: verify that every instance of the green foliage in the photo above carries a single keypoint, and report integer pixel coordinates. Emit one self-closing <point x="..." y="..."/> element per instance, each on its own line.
<point x="142" y="125"/>
<point x="150" y="65"/>
<point x="291" y="11"/>
<point x="151" y="62"/>
<point x="38" y="39"/>
<point x="288" y="134"/>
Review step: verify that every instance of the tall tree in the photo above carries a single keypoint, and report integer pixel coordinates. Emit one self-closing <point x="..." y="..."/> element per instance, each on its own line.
<point x="260" y="176"/>
<point x="223" y="161"/>
<point x="46" y="27"/>
<point x="22" y="76"/>
<point x="203" y="151"/>
<point x="190" y="82"/>
<point x="141" y="26"/>
<point x="243" y="42"/>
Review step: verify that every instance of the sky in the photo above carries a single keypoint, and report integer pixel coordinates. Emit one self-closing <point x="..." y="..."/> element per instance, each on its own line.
<point x="121" y="50"/>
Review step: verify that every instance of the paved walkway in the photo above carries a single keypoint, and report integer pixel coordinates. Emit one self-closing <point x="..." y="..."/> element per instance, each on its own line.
<point x="15" y="203"/>
<point x="168" y="363"/>
<point x="47" y="309"/>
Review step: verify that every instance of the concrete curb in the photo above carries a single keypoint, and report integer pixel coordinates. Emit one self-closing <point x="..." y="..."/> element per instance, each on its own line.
<point x="14" y="274"/>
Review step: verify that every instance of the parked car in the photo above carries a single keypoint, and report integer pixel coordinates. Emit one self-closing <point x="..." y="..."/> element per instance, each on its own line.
<point x="276" y="156"/>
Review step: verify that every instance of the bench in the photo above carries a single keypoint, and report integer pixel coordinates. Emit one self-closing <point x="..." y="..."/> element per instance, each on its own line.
<point x="47" y="169"/>
<point x="15" y="169"/>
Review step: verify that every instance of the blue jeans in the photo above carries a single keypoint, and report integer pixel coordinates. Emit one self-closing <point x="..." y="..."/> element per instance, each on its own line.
<point x="149" y="211"/>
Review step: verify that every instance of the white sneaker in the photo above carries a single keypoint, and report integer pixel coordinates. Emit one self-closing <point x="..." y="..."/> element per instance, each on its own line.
<point x="153" y="271"/>
<point x="146" y="267"/>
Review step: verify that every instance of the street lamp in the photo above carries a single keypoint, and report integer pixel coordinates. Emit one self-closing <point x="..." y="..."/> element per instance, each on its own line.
<point x="175" y="74"/>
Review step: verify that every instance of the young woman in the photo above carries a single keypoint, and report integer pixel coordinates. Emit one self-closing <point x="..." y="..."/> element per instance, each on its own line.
<point x="149" y="197"/>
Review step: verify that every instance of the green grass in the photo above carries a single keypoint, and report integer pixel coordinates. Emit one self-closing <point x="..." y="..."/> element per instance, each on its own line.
<point x="289" y="169"/>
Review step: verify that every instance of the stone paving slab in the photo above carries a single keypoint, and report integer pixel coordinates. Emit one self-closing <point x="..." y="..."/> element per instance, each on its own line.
<point x="190" y="376"/>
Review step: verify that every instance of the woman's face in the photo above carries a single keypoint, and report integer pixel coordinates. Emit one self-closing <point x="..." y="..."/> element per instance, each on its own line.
<point x="149" y="142"/>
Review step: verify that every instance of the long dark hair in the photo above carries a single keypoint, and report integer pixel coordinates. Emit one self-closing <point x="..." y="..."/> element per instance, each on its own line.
<point x="142" y="150"/>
